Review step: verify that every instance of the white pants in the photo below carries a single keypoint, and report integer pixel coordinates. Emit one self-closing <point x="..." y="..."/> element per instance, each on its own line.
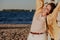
<point x="37" y="37"/>
<point x="49" y="38"/>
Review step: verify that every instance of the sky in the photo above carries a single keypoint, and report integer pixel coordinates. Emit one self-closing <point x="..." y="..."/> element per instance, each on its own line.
<point x="17" y="4"/>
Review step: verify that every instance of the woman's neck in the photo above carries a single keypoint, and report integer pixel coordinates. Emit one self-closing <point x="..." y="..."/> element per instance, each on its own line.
<point x="44" y="14"/>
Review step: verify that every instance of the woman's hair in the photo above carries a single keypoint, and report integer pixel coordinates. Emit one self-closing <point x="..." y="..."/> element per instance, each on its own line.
<point x="52" y="7"/>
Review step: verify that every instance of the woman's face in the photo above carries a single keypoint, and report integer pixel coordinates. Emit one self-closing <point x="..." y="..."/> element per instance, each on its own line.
<point x="47" y="9"/>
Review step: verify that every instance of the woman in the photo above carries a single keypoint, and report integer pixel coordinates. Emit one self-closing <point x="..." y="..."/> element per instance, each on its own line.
<point x="38" y="27"/>
<point x="54" y="30"/>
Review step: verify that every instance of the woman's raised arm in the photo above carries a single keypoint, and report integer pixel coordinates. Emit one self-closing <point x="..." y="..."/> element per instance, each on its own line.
<point x="39" y="5"/>
<point x="54" y="14"/>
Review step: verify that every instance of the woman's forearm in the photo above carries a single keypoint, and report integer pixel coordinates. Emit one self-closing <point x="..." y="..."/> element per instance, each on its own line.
<point x="39" y="5"/>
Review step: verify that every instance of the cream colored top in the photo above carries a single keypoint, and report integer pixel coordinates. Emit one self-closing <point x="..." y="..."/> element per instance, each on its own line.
<point x="38" y="24"/>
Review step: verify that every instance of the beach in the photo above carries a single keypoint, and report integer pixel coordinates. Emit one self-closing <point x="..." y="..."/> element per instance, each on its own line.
<point x="14" y="31"/>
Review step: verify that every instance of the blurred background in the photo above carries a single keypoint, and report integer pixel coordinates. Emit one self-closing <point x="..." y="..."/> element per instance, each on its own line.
<point x="16" y="17"/>
<point x="17" y="11"/>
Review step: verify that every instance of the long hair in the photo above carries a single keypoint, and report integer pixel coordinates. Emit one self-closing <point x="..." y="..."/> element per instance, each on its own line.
<point x="52" y="7"/>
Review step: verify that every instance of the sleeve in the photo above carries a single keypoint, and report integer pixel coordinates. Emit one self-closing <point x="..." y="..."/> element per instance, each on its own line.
<point x="39" y="5"/>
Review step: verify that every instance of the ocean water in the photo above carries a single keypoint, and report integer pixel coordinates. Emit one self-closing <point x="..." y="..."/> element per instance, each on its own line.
<point x="16" y="17"/>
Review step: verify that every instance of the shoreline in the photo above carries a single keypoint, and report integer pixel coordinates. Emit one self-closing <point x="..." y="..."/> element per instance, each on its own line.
<point x="13" y="26"/>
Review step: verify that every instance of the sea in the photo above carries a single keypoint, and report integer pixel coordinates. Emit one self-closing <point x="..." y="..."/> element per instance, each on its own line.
<point x="16" y="17"/>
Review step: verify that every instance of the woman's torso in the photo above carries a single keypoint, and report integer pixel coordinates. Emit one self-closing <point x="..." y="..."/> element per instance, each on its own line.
<point x="38" y="23"/>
